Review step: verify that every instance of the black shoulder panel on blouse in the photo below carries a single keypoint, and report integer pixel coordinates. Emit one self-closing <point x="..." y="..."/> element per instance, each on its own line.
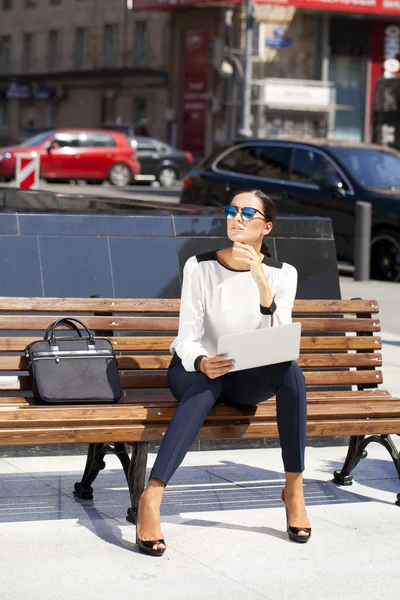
<point x="272" y="262"/>
<point x="206" y="256"/>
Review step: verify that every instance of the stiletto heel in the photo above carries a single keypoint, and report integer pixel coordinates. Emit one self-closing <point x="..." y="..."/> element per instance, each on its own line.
<point x="293" y="532"/>
<point x="147" y="547"/>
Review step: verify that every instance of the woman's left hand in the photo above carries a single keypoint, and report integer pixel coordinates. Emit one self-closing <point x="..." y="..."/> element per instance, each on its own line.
<point x="246" y="254"/>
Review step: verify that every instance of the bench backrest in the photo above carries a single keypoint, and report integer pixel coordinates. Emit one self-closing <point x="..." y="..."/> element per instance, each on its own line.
<point x="339" y="345"/>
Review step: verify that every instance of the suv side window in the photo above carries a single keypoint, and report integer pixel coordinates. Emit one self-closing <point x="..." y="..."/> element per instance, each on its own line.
<point x="309" y="166"/>
<point x="97" y="140"/>
<point x="261" y="161"/>
<point x="67" y="140"/>
<point x="146" y="146"/>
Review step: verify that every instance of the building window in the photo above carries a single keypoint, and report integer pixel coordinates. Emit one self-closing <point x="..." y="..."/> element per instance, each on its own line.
<point x="111" y="45"/>
<point x="55" y="1"/>
<point x="141" y="42"/>
<point x="82" y="48"/>
<point x="54" y="51"/>
<point x="6" y="4"/>
<point x="3" y="113"/>
<point x="5" y="54"/>
<point x="139" y="110"/>
<point x="28" y="56"/>
<point x="30" y="3"/>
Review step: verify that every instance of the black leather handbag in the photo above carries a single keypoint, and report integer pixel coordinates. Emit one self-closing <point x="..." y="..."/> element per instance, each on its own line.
<point x="73" y="370"/>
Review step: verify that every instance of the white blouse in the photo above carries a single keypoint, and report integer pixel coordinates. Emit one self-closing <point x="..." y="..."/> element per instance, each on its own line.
<point x="217" y="300"/>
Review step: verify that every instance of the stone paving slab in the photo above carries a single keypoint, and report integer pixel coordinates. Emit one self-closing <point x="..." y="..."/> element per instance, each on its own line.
<point x="223" y="523"/>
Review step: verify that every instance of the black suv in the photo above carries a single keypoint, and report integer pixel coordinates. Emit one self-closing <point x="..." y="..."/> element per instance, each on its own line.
<point x="314" y="178"/>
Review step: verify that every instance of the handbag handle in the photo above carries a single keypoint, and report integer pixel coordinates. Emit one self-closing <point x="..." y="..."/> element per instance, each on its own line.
<point x="70" y="322"/>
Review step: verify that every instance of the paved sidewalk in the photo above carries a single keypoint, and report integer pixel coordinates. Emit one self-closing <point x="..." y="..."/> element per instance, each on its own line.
<point x="223" y="523"/>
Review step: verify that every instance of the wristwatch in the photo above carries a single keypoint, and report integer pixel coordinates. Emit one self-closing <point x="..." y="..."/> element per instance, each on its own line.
<point x="268" y="310"/>
<point x="198" y="361"/>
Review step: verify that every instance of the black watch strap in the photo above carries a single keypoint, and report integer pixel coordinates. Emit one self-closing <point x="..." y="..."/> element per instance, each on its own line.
<point x="198" y="361"/>
<point x="268" y="310"/>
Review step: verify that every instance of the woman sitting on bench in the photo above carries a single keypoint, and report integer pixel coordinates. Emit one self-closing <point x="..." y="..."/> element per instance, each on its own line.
<point x="218" y="290"/>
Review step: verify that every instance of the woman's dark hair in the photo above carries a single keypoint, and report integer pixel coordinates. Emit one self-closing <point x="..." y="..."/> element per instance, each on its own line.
<point x="269" y="210"/>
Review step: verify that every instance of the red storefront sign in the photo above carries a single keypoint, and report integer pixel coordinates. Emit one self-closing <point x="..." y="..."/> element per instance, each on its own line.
<point x="375" y="7"/>
<point x="195" y="88"/>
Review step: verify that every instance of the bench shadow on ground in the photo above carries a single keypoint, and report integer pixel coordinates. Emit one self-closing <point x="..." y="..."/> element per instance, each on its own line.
<point x="227" y="486"/>
<point x="374" y="473"/>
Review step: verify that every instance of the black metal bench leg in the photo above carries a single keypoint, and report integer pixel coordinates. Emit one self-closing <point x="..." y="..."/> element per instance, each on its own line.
<point x="94" y="464"/>
<point x="136" y="477"/>
<point x="354" y="454"/>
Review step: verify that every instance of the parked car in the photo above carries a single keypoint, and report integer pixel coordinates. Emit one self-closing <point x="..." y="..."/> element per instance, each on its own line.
<point x="313" y="178"/>
<point x="94" y="155"/>
<point x="161" y="162"/>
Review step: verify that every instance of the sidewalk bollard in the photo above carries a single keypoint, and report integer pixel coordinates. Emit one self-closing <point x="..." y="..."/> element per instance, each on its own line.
<point x="362" y="241"/>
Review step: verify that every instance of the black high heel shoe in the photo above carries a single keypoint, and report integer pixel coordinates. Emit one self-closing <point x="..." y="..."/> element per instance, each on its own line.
<point x="293" y="532"/>
<point x="147" y="547"/>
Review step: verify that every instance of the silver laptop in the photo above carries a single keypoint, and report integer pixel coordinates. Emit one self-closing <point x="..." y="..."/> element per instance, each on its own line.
<point x="261" y="347"/>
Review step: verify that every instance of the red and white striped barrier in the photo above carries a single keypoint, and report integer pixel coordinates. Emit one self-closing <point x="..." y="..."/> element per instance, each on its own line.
<point x="27" y="171"/>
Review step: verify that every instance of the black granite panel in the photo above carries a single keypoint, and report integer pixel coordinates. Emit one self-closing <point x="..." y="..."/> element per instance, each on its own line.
<point x="99" y="225"/>
<point x="302" y="227"/>
<point x="20" y="267"/>
<point x="8" y="223"/>
<point x="204" y="226"/>
<point x="285" y="226"/>
<point x="77" y="267"/>
<point x="316" y="263"/>
<point x="145" y="268"/>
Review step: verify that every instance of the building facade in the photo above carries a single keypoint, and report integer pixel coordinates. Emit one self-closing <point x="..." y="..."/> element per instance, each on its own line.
<point x="315" y="64"/>
<point x="82" y="63"/>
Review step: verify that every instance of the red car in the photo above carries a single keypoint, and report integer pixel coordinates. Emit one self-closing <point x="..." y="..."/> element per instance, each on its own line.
<point x="92" y="154"/>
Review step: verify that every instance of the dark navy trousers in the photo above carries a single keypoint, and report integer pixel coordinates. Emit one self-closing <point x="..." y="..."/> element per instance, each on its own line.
<point x="197" y="394"/>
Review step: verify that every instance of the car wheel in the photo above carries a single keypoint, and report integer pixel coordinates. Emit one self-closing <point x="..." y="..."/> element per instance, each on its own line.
<point x="120" y="175"/>
<point x="385" y="255"/>
<point x="168" y="177"/>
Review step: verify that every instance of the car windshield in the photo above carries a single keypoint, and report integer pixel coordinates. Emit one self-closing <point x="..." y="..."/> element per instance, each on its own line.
<point x="373" y="168"/>
<point x="37" y="139"/>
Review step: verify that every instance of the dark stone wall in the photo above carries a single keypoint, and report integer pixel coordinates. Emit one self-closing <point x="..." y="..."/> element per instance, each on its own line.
<point x="143" y="255"/>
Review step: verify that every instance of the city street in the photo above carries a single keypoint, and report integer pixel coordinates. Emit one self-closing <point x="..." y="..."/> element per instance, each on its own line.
<point x="139" y="192"/>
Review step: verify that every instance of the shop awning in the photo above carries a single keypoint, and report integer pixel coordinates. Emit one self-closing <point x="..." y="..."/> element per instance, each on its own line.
<point x="373" y="7"/>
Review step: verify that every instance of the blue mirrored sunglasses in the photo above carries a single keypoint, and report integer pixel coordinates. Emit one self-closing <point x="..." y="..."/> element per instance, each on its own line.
<point x="247" y="212"/>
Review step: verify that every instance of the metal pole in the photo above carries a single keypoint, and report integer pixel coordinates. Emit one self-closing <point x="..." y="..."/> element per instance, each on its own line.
<point x="245" y="130"/>
<point x="325" y="43"/>
<point x="362" y="241"/>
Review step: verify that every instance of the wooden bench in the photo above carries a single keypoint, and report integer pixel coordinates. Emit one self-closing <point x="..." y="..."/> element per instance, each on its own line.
<point x="339" y="355"/>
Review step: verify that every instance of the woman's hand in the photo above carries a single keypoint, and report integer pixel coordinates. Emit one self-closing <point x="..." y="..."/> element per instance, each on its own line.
<point x="246" y="254"/>
<point x="216" y="366"/>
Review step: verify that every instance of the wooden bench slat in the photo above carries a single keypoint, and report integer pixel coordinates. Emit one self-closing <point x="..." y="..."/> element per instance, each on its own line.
<point x="151" y="305"/>
<point x="40" y="323"/>
<point x="129" y="415"/>
<point x="142" y="381"/>
<point x="162" y="343"/>
<point x="167" y="399"/>
<point x="137" y="433"/>
<point x="335" y="307"/>
<point x="138" y="362"/>
<point x="72" y="305"/>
